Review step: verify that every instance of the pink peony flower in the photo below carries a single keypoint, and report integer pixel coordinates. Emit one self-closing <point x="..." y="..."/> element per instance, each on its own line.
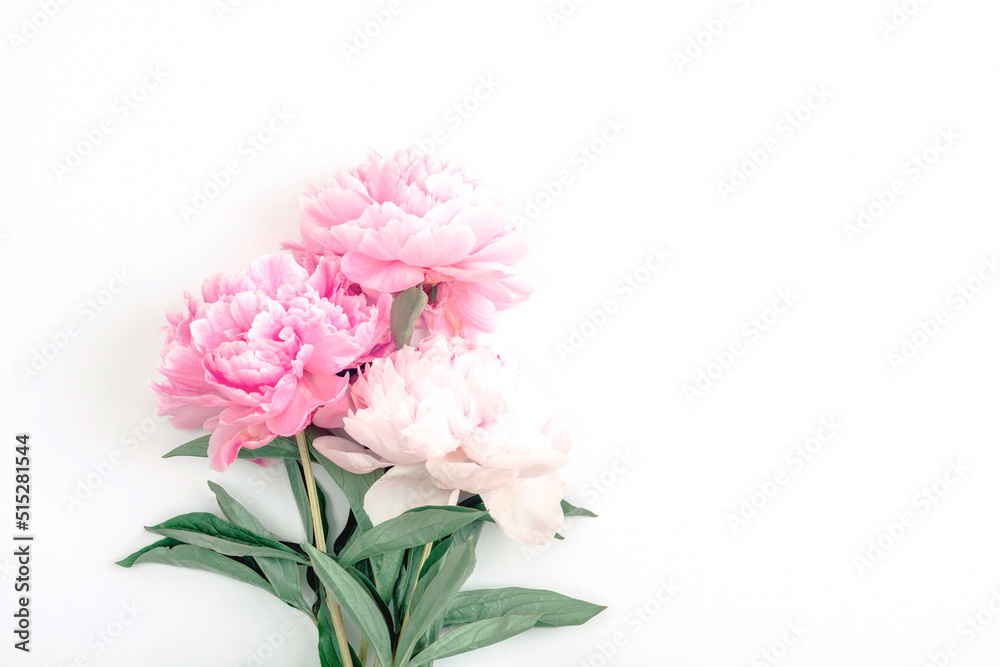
<point x="438" y="413"/>
<point x="409" y="220"/>
<point x="262" y="350"/>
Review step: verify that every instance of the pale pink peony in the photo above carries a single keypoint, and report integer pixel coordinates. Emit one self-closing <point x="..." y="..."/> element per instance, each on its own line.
<point x="262" y="350"/>
<point x="410" y="220"/>
<point x="438" y="413"/>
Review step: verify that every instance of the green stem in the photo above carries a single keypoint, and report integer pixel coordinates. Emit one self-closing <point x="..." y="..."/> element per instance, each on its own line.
<point x="363" y="652"/>
<point x="317" y="521"/>
<point x="423" y="559"/>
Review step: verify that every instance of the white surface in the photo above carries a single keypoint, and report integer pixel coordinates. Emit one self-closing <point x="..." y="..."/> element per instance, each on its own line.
<point x="664" y="516"/>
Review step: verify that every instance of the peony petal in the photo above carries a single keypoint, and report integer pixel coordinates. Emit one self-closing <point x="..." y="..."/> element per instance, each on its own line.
<point x="438" y="246"/>
<point x="528" y="510"/>
<point x="333" y="206"/>
<point x="404" y="488"/>
<point x="459" y="472"/>
<point x="349" y="455"/>
<point x="332" y="414"/>
<point x="226" y="441"/>
<point x="270" y="272"/>
<point x="379" y="275"/>
<point x="295" y="416"/>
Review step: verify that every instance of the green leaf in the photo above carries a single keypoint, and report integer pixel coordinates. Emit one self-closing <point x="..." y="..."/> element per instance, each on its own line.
<point x="473" y="636"/>
<point x="328" y="656"/>
<point x="556" y="610"/>
<point x="406" y="309"/>
<point x="325" y="508"/>
<point x="279" y="448"/>
<point x="284" y="575"/>
<point x="199" y="558"/>
<point x="207" y="530"/>
<point x="356" y="599"/>
<point x="374" y="595"/>
<point x="405" y="583"/>
<point x="301" y="496"/>
<point x="237" y="514"/>
<point x="410" y="529"/>
<point x="129" y="561"/>
<point x="437" y="553"/>
<point x="573" y="510"/>
<point x="473" y="530"/>
<point x="386" y="570"/>
<point x="430" y="636"/>
<point x="354" y="486"/>
<point x="433" y="594"/>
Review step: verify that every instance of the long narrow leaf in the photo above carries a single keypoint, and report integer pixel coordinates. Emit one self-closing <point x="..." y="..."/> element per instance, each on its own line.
<point x="474" y="636"/>
<point x="198" y="558"/>
<point x="433" y="593"/>
<point x="283" y="574"/>
<point x="410" y="529"/>
<point x="301" y="496"/>
<point x="356" y="600"/>
<point x="207" y="530"/>
<point x="556" y="610"/>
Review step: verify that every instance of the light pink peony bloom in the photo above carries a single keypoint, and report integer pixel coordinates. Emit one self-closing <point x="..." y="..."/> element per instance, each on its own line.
<point x="409" y="220"/>
<point x="437" y="412"/>
<point x="262" y="350"/>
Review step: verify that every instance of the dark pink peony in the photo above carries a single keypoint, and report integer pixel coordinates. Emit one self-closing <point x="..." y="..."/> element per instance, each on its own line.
<point x="261" y="351"/>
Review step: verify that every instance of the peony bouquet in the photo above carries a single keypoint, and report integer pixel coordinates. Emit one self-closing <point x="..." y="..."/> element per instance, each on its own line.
<point x="358" y="350"/>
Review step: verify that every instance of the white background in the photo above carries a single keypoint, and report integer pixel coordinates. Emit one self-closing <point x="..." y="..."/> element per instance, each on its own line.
<point x="667" y="515"/>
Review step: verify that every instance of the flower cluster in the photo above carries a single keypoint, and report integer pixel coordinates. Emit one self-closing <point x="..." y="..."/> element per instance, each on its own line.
<point x="306" y="339"/>
<point x="360" y="351"/>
